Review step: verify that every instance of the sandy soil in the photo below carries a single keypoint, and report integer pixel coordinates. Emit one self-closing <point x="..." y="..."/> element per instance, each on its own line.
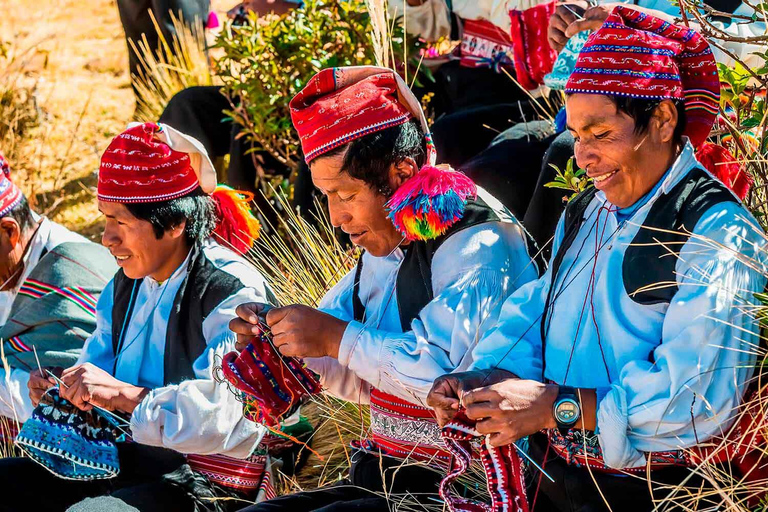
<point x="76" y="59"/>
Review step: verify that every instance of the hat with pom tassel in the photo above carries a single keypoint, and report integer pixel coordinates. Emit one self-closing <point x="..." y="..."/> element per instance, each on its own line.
<point x="150" y="163"/>
<point x="339" y="105"/>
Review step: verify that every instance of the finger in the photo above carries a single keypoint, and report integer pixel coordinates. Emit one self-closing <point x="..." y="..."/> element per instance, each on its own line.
<point x="501" y="439"/>
<point x="81" y="397"/>
<point x="242" y="342"/>
<point x="478" y="411"/>
<point x="479" y="395"/>
<point x="491" y="426"/>
<point x="444" y="417"/>
<point x="289" y="350"/>
<point x="250" y="311"/>
<point x="559" y="21"/>
<point x="71" y="374"/>
<point x="579" y="26"/>
<point x="557" y="39"/>
<point x="244" y="327"/>
<point x="275" y="315"/>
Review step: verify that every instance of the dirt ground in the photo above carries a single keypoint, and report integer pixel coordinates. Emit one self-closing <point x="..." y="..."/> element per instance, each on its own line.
<point x="72" y="53"/>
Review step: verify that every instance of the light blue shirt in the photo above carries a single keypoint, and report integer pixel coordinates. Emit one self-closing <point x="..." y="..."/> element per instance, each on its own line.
<point x="654" y="366"/>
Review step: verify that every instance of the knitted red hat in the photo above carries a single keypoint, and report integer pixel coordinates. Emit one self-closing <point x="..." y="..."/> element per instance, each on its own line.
<point x="339" y="105"/>
<point x="149" y="163"/>
<point x="641" y="56"/>
<point x="142" y="166"/>
<point x="10" y="194"/>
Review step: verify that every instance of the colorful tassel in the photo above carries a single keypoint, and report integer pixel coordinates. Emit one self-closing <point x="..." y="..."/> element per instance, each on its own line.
<point x="237" y="228"/>
<point x="430" y="202"/>
<point x="723" y="166"/>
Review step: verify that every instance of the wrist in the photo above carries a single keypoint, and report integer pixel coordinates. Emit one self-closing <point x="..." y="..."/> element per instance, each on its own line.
<point x="335" y="335"/>
<point x="551" y="394"/>
<point x="131" y="397"/>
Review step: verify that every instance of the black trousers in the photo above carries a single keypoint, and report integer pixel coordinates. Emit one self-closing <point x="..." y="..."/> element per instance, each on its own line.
<point x="150" y="480"/>
<point x="575" y="490"/>
<point x="364" y="489"/>
<point x="134" y="15"/>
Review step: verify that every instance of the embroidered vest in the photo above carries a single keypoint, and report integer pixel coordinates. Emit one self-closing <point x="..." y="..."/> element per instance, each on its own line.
<point x="671" y="218"/>
<point x="400" y="428"/>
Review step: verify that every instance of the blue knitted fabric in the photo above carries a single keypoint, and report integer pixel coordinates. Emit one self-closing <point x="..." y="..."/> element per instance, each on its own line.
<point x="70" y="443"/>
<point x="566" y="62"/>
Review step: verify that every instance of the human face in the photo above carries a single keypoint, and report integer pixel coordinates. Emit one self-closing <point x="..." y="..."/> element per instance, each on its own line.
<point x="136" y="248"/>
<point x="623" y="164"/>
<point x="357" y="208"/>
<point x="12" y="246"/>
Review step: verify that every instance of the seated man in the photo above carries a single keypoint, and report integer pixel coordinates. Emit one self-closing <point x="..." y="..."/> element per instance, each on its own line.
<point x="637" y="342"/>
<point x="417" y="301"/>
<point x="51" y="279"/>
<point x="161" y="328"/>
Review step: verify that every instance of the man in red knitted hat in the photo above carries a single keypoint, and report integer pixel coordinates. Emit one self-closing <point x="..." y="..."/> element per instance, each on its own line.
<point x="161" y="327"/>
<point x="440" y="256"/>
<point x="637" y="343"/>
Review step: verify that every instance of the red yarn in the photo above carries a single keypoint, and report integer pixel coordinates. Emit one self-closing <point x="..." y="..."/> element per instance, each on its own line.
<point x="237" y="227"/>
<point x="721" y="163"/>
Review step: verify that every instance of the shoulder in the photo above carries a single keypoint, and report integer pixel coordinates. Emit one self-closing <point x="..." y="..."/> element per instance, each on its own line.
<point x="82" y="262"/>
<point x="227" y="273"/>
<point x="59" y="235"/>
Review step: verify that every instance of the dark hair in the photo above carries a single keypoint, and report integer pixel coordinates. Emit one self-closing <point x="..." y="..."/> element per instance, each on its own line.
<point x="197" y="209"/>
<point x="369" y="158"/>
<point x="22" y="214"/>
<point x="641" y="110"/>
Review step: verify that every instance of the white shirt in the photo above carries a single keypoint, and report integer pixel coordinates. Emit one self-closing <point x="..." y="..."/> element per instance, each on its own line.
<point x="655" y="367"/>
<point x="14" y="395"/>
<point x="199" y="415"/>
<point x="473" y="271"/>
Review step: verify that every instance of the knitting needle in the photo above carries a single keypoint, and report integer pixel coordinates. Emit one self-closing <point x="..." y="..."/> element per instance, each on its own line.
<point x="101" y="409"/>
<point x="528" y="457"/>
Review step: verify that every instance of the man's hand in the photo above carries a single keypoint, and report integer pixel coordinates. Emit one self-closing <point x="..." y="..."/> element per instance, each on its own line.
<point x="593" y="19"/>
<point x="261" y="7"/>
<point x="301" y="331"/>
<point x="447" y="391"/>
<point x="251" y="317"/>
<point x="511" y="409"/>
<point x="565" y="14"/>
<point x="89" y="385"/>
<point x="40" y="382"/>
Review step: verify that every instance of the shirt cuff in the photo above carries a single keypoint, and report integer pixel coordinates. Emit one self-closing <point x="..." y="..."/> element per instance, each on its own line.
<point x="360" y="351"/>
<point x="612" y="427"/>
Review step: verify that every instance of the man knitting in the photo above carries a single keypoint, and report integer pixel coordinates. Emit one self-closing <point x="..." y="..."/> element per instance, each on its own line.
<point x="429" y="283"/>
<point x="637" y="341"/>
<point x="50" y="280"/>
<point x="161" y="328"/>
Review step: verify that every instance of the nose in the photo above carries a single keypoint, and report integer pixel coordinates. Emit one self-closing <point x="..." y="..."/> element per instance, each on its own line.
<point x="110" y="237"/>
<point x="585" y="154"/>
<point x="338" y="214"/>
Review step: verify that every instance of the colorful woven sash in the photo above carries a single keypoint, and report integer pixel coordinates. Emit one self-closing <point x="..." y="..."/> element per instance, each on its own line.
<point x="246" y="476"/>
<point x="70" y="443"/>
<point x="484" y="45"/>
<point x="533" y="56"/>
<point x="405" y="430"/>
<point x="503" y="470"/>
<point x="272" y="385"/>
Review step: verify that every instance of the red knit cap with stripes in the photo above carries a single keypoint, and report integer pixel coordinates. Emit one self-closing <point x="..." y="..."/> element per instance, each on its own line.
<point x="640" y="56"/>
<point x="137" y="168"/>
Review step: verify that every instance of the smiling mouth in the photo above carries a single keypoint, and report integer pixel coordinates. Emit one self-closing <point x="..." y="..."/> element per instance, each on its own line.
<point x="603" y="177"/>
<point x="121" y="258"/>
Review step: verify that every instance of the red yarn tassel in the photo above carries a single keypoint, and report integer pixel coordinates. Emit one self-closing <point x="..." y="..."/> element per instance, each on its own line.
<point x="723" y="166"/>
<point x="237" y="228"/>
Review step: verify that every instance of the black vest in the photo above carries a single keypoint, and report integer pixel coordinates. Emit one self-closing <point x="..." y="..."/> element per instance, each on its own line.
<point x="414" y="278"/>
<point x="651" y="257"/>
<point x="204" y="287"/>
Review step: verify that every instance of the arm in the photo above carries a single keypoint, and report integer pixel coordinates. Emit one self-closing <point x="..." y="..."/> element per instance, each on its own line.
<point x="473" y="272"/>
<point x="698" y="373"/>
<point x="201" y="415"/>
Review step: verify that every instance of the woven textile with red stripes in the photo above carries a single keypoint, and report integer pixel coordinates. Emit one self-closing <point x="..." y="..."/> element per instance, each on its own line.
<point x="533" y="56"/>
<point x="503" y="470"/>
<point x="242" y="475"/>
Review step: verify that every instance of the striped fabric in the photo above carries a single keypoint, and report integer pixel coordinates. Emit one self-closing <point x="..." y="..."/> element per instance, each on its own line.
<point x="19" y="346"/>
<point x="242" y="475"/>
<point x="79" y="296"/>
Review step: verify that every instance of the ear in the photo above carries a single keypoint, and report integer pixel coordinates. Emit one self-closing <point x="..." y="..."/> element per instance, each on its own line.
<point x="665" y="119"/>
<point x="402" y="172"/>
<point x="178" y="230"/>
<point x="11" y="229"/>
